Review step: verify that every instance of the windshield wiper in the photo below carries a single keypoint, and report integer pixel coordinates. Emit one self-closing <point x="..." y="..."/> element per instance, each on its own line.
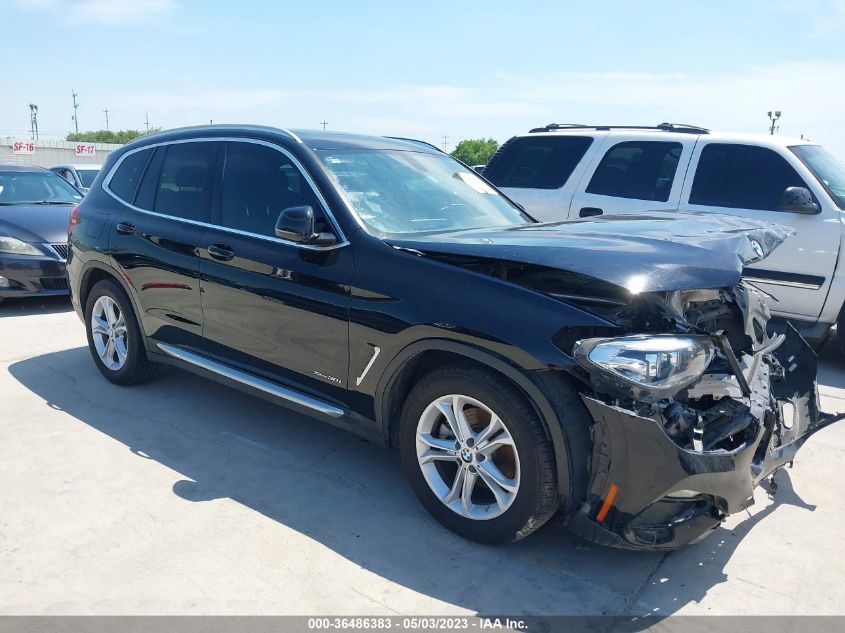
<point x="51" y="202"/>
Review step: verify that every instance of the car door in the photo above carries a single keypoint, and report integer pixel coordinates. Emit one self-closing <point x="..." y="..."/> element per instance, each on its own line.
<point x="634" y="175"/>
<point x="540" y="171"/>
<point x="272" y="307"/>
<point x="750" y="180"/>
<point x="154" y="240"/>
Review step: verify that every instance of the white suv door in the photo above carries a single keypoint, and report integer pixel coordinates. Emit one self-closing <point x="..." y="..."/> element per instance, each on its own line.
<point x="634" y="173"/>
<point x="750" y="180"/>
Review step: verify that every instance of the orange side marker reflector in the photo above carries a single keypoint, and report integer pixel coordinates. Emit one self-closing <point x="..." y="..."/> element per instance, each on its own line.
<point x="608" y="501"/>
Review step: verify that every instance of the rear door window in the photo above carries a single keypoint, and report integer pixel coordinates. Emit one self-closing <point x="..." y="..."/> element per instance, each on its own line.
<point x="184" y="184"/>
<point x="742" y="177"/>
<point x="537" y="162"/>
<point x="125" y="180"/>
<point x="642" y="170"/>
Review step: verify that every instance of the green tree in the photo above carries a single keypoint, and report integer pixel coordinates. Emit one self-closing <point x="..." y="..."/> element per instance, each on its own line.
<point x="107" y="136"/>
<point x="475" y="151"/>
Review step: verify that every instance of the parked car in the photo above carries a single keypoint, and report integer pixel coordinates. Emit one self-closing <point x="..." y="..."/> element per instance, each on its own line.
<point x="80" y="176"/>
<point x="560" y="172"/>
<point x="617" y="369"/>
<point x="34" y="208"/>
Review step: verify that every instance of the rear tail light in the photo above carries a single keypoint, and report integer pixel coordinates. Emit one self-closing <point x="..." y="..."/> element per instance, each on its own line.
<point x="74" y="219"/>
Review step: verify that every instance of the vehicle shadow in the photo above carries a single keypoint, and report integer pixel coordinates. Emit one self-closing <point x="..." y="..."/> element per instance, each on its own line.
<point x="28" y="306"/>
<point x="831" y="364"/>
<point x="352" y="497"/>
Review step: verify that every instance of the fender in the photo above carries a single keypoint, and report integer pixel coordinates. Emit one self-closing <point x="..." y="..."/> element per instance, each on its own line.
<point x="96" y="264"/>
<point x="543" y="405"/>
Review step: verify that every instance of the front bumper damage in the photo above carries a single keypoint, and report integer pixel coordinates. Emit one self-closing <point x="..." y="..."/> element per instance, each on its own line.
<point x="647" y="491"/>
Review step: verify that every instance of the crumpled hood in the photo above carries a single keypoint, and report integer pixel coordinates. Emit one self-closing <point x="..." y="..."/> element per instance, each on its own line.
<point x="41" y="223"/>
<point x="660" y="251"/>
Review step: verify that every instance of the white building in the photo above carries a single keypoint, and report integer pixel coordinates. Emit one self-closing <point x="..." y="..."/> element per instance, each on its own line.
<point x="48" y="153"/>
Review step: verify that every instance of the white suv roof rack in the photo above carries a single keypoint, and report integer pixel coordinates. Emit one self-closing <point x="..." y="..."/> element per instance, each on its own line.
<point x="665" y="127"/>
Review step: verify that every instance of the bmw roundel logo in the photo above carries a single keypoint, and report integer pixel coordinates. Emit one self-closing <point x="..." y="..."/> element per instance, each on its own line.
<point x="755" y="246"/>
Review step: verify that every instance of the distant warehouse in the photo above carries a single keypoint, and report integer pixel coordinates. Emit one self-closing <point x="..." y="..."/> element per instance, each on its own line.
<point x="48" y="153"/>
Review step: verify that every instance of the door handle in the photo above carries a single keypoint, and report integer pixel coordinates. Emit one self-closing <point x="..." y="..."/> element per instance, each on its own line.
<point x="221" y="252"/>
<point x="125" y="228"/>
<point x="588" y="212"/>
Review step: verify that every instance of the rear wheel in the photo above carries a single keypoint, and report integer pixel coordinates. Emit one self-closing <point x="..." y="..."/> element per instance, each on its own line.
<point x="114" y="337"/>
<point x="477" y="455"/>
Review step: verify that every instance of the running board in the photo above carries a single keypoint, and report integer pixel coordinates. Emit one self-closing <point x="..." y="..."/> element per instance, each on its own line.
<point x="255" y="382"/>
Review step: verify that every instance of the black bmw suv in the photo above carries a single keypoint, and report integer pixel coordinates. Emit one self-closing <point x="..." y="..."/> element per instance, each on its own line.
<point x="617" y="370"/>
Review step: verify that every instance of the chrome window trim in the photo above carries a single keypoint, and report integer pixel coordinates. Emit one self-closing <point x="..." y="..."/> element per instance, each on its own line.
<point x="342" y="240"/>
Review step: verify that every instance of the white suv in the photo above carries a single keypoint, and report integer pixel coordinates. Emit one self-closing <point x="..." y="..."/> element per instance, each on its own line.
<point x="562" y="172"/>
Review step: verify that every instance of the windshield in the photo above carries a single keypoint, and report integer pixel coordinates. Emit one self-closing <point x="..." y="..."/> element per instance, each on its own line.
<point x="87" y="176"/>
<point x="30" y="187"/>
<point x="828" y="171"/>
<point x="396" y="192"/>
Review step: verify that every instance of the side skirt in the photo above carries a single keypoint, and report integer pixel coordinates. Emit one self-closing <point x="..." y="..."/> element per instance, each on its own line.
<point x="287" y="395"/>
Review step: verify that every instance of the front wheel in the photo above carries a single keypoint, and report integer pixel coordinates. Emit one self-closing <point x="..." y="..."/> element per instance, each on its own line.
<point x="477" y="455"/>
<point x="114" y="337"/>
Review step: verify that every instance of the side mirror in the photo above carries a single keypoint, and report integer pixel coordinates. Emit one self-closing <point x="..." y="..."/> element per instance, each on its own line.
<point x="798" y="200"/>
<point x="297" y="224"/>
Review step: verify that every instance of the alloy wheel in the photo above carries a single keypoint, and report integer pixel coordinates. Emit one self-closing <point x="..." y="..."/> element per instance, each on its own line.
<point x="468" y="457"/>
<point x="108" y="330"/>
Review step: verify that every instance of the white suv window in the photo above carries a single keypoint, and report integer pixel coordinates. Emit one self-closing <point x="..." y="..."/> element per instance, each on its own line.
<point x="642" y="170"/>
<point x="537" y="162"/>
<point x="742" y="177"/>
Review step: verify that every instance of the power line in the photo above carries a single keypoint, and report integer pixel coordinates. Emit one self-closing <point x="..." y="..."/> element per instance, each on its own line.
<point x="324" y="123"/>
<point x="147" y="121"/>
<point x="75" y="106"/>
<point x="107" y="119"/>
<point x="446" y="143"/>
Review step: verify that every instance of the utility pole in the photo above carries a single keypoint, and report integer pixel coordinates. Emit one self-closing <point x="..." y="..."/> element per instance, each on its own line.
<point x="33" y="121"/>
<point x="324" y="123"/>
<point x="774" y="119"/>
<point x="107" y="119"/>
<point x="147" y="121"/>
<point x="75" y="106"/>
<point x="446" y="143"/>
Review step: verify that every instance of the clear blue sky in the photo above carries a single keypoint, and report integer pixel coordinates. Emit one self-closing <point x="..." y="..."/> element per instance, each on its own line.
<point x="425" y="69"/>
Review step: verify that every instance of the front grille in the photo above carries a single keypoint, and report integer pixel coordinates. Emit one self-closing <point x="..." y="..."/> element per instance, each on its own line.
<point x="61" y="250"/>
<point x="54" y="283"/>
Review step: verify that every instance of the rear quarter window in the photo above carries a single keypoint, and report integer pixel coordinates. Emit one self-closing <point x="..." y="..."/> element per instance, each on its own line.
<point x="539" y="162"/>
<point x="125" y="180"/>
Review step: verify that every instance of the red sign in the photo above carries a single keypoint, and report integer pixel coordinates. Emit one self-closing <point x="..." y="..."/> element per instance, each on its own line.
<point x="85" y="149"/>
<point x="23" y="147"/>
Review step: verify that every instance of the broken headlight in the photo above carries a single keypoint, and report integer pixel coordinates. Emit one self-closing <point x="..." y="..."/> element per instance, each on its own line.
<point x="654" y="365"/>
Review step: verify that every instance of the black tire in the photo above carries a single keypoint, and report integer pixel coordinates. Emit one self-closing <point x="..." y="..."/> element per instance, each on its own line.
<point x="537" y="497"/>
<point x="137" y="367"/>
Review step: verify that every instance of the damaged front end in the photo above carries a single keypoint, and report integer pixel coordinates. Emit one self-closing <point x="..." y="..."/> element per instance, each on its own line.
<point x="690" y="414"/>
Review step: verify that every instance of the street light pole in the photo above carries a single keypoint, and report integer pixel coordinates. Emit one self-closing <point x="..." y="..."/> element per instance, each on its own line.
<point x="773" y="117"/>
<point x="75" y="106"/>
<point x="33" y="121"/>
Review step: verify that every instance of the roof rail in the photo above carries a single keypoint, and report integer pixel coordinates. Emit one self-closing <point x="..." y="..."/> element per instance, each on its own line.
<point x="666" y="127"/>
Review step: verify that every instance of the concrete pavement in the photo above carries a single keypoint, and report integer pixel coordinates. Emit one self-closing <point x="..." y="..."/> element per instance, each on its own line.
<point x="184" y="497"/>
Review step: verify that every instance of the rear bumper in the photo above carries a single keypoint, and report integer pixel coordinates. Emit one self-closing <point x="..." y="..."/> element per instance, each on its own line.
<point x="647" y="492"/>
<point x="27" y="275"/>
